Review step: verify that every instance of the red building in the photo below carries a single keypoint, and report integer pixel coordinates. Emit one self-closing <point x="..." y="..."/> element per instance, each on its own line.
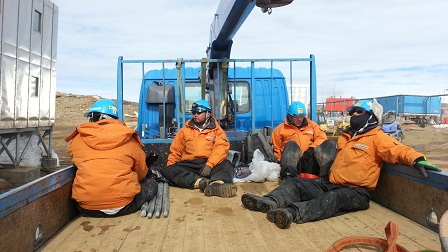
<point x="338" y="104"/>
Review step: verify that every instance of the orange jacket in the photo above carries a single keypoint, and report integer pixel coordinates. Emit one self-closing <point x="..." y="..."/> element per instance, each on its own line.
<point x="110" y="163"/>
<point x="307" y="136"/>
<point x="189" y="144"/>
<point x="359" y="160"/>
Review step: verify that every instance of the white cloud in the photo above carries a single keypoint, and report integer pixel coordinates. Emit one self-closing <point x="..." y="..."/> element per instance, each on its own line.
<point x="362" y="48"/>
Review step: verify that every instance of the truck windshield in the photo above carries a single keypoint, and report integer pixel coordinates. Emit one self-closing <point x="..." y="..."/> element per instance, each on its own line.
<point x="239" y="95"/>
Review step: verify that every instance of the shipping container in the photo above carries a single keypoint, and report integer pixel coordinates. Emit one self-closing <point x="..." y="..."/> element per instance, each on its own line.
<point x="421" y="109"/>
<point x="338" y="104"/>
<point x="412" y="104"/>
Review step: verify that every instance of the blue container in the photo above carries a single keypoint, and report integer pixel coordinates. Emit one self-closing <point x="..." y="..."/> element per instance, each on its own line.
<point x="412" y="104"/>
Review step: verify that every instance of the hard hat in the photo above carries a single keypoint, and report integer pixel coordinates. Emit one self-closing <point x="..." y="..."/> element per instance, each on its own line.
<point x="361" y="104"/>
<point x="297" y="108"/>
<point x="106" y="107"/>
<point x="201" y="106"/>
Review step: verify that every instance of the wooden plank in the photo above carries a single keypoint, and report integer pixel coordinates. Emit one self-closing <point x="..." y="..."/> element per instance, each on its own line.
<point x="74" y="236"/>
<point x="64" y="234"/>
<point x="144" y="232"/>
<point x="109" y="234"/>
<point x="415" y="236"/>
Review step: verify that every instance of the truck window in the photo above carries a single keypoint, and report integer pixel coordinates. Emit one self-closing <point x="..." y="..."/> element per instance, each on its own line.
<point x="192" y="94"/>
<point x="240" y="95"/>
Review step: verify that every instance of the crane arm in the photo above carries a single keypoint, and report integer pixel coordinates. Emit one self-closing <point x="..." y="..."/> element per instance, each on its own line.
<point x="228" y="18"/>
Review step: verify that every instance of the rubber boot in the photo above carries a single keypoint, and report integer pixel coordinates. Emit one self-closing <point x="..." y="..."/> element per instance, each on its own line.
<point x="290" y="158"/>
<point x="149" y="187"/>
<point x="282" y="217"/>
<point x="325" y="154"/>
<point x="203" y="183"/>
<point x="221" y="190"/>
<point x="258" y="203"/>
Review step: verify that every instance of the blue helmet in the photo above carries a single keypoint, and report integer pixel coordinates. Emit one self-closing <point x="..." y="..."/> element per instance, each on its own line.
<point x="106" y="107"/>
<point x="361" y="104"/>
<point x="201" y="106"/>
<point x="297" y="108"/>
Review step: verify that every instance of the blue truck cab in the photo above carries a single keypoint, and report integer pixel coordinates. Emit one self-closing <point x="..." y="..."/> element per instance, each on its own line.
<point x="166" y="97"/>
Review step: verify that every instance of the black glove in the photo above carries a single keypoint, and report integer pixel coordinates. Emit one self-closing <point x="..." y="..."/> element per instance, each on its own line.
<point x="154" y="173"/>
<point x="308" y="153"/>
<point x="205" y="171"/>
<point x="421" y="165"/>
<point x="151" y="159"/>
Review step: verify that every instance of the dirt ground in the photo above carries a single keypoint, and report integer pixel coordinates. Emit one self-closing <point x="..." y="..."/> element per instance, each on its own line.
<point x="70" y="108"/>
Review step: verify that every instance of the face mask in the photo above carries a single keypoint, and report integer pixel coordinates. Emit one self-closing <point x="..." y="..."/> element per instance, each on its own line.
<point x="357" y="122"/>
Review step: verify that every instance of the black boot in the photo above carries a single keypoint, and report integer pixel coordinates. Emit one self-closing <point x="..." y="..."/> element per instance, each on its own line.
<point x="258" y="203"/>
<point x="149" y="187"/>
<point x="282" y="217"/>
<point x="221" y="190"/>
<point x="325" y="154"/>
<point x="290" y="158"/>
<point x="203" y="183"/>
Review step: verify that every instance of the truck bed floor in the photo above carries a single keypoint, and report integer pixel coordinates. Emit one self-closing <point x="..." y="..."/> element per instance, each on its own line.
<point x="199" y="223"/>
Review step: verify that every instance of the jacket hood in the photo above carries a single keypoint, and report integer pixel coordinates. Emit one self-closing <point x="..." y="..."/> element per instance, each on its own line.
<point x="105" y="134"/>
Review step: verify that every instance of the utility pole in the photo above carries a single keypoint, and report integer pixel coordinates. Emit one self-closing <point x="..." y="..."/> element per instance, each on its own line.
<point x="334" y="89"/>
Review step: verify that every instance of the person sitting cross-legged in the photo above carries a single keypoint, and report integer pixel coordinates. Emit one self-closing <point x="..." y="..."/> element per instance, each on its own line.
<point x="198" y="155"/>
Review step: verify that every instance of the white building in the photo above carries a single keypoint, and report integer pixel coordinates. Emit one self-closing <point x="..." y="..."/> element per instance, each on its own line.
<point x="300" y="91"/>
<point x="28" y="35"/>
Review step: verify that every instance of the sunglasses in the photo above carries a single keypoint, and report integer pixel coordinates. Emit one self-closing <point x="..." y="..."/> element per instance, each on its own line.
<point x="358" y="111"/>
<point x="197" y="112"/>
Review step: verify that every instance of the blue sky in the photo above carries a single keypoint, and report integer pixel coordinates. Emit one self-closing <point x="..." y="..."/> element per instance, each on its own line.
<point x="362" y="48"/>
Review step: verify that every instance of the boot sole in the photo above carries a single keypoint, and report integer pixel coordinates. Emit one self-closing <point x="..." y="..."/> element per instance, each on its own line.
<point x="289" y="160"/>
<point x="224" y="190"/>
<point x="325" y="155"/>
<point x="282" y="218"/>
<point x="253" y="204"/>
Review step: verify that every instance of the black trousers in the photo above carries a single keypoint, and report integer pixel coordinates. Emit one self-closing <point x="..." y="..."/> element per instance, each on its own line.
<point x="319" y="199"/>
<point x="185" y="173"/>
<point x="148" y="191"/>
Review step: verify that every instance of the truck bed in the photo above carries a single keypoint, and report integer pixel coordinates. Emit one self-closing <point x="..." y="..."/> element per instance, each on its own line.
<point x="199" y="223"/>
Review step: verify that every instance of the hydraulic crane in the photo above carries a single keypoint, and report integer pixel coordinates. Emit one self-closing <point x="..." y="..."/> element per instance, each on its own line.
<point x="227" y="20"/>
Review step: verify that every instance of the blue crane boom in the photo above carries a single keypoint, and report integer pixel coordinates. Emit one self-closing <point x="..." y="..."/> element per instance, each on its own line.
<point x="228" y="18"/>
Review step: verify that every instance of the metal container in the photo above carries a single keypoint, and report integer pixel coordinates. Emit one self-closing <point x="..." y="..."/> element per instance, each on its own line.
<point x="412" y="104"/>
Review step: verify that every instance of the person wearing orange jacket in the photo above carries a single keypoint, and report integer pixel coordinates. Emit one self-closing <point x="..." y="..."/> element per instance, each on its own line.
<point x="301" y="146"/>
<point x="362" y="149"/>
<point x="198" y="155"/>
<point x="111" y="176"/>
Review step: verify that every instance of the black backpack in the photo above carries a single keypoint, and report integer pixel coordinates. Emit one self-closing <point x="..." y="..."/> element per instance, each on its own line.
<point x="259" y="141"/>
